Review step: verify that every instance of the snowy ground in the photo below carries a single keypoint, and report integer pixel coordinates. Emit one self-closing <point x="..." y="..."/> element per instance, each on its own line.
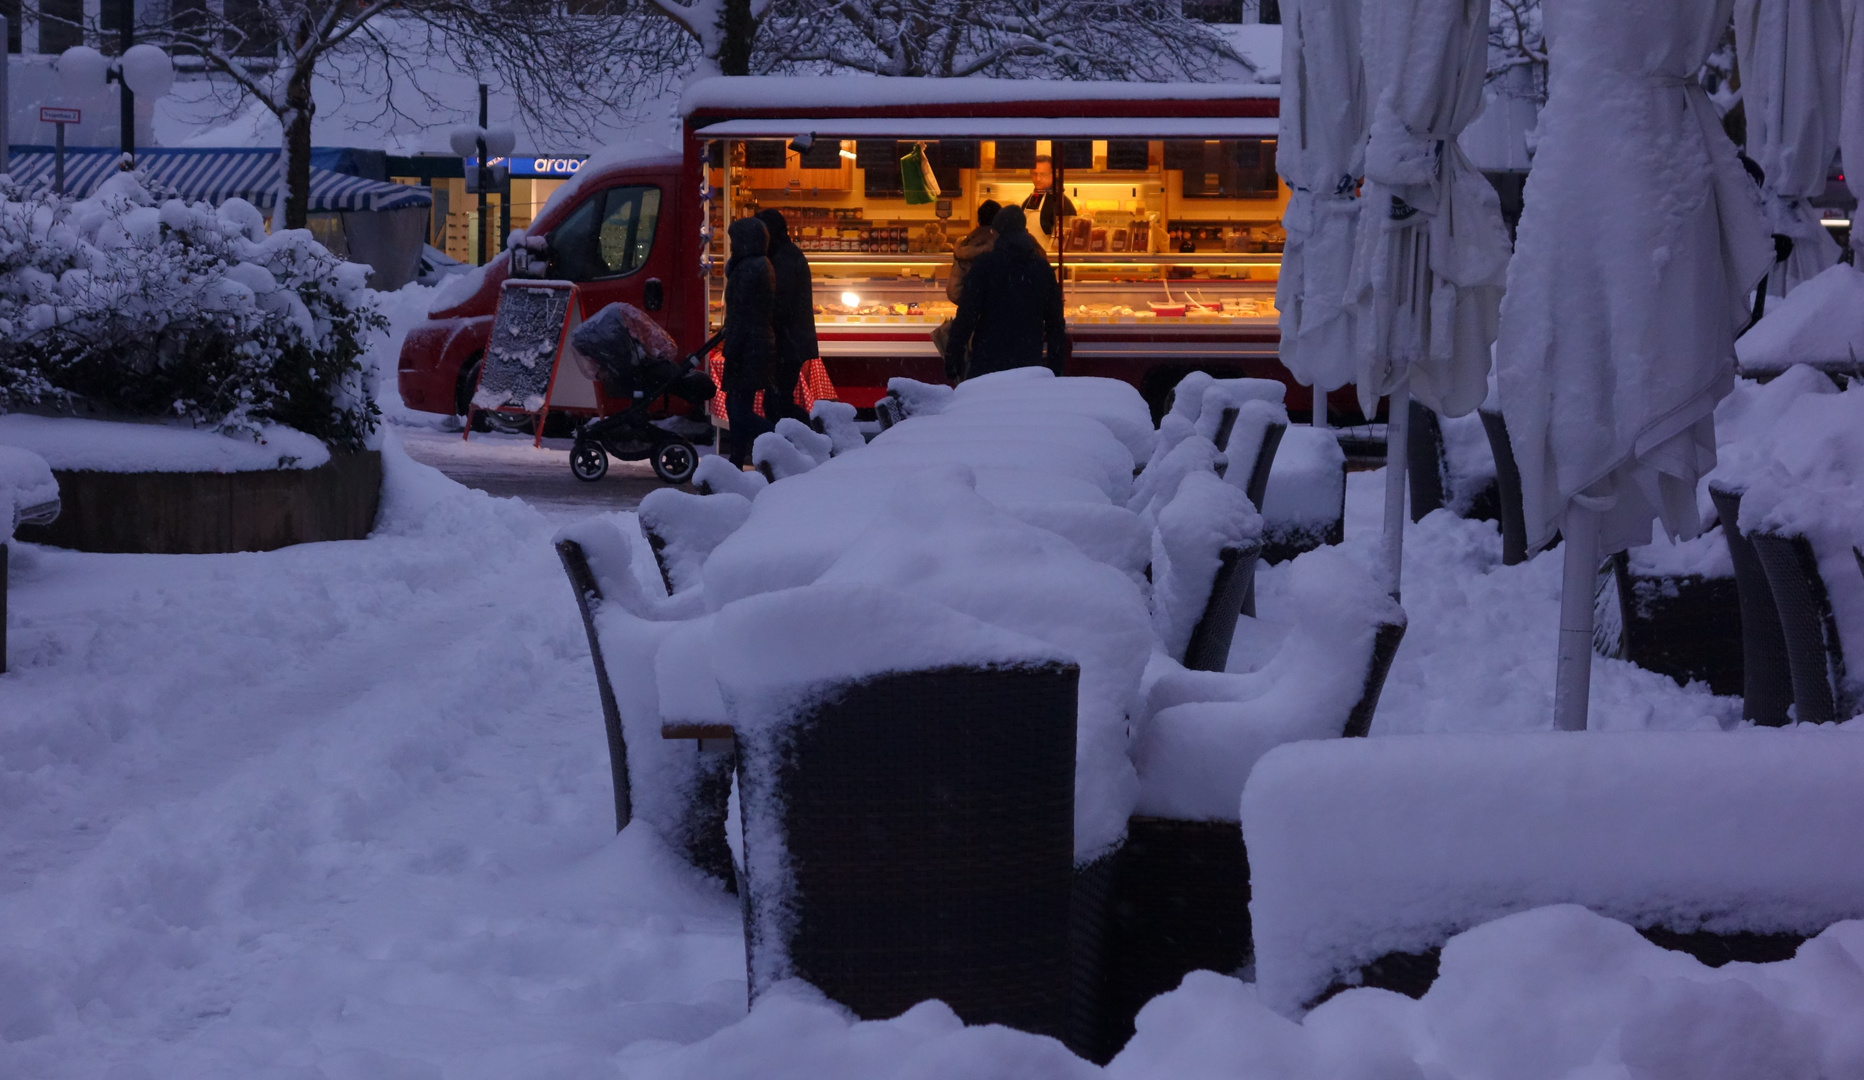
<point x="341" y="812"/>
<point x="510" y="466"/>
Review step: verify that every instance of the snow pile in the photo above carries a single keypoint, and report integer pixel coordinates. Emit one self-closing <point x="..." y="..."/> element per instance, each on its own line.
<point x="917" y="398"/>
<point x="1154" y="487"/>
<point x="1247" y="434"/>
<point x="687" y="528"/>
<point x="1204" y="517"/>
<point x="402" y="311"/>
<point x="1307" y="486"/>
<point x="76" y="444"/>
<point x="717" y="475"/>
<point x="25" y="482"/>
<point x="1221" y="394"/>
<point x="167" y="308"/>
<point x="837" y="421"/>
<point x="1706" y="556"/>
<point x="797" y="1032"/>
<point x="1363" y="847"/>
<point x="1295" y="672"/>
<point x="1557" y="993"/>
<point x="1820" y="322"/>
<point x="1747" y="424"/>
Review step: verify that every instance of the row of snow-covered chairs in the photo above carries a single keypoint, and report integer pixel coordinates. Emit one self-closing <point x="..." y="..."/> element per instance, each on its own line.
<point x="1174" y="897"/>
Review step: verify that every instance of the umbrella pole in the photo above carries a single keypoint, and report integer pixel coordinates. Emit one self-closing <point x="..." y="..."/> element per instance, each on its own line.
<point x="1397" y="434"/>
<point x="1572" y="687"/>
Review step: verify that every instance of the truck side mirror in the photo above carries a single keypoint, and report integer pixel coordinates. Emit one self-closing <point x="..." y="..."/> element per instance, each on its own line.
<point x="653" y="295"/>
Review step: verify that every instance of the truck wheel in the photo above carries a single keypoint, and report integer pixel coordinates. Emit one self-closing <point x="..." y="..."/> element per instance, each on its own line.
<point x="467" y="382"/>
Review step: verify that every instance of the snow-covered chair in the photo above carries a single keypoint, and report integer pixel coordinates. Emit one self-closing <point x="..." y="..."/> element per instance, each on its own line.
<point x="906" y="777"/>
<point x="1366" y="855"/>
<point x="691" y="811"/>
<point x="1678" y="610"/>
<point x="1204" y="552"/>
<point x="683" y="528"/>
<point x="1507" y="488"/>
<point x="28" y="496"/>
<point x="1183" y="883"/>
<point x="835" y="419"/>
<point x="1766" y="677"/>
<point x="910" y="397"/>
<point x="716" y="475"/>
<point x="1451" y="465"/>
<point x="792" y="449"/>
<point x="1815" y="654"/>
<point x="1304" y="505"/>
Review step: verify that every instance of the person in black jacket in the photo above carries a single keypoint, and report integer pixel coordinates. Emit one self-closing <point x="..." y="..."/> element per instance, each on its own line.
<point x="793" y="317"/>
<point x="1010" y="307"/>
<point x="750" y="343"/>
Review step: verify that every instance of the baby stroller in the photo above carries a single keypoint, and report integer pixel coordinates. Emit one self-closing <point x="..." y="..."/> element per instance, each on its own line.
<point x="635" y="361"/>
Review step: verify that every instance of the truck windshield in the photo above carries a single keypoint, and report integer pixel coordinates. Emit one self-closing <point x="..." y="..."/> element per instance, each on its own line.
<point x="609" y="235"/>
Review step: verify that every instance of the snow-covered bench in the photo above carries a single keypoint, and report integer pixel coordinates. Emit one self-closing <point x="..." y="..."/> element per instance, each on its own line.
<point x="1366" y="855"/>
<point x="28" y="496"/>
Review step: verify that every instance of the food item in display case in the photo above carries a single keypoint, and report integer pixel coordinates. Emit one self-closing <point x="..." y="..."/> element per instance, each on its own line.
<point x="1166" y="310"/>
<point x="1079" y="230"/>
<point x="1097" y="240"/>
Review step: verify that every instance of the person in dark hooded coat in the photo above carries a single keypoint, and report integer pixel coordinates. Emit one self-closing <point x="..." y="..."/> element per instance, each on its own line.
<point x="793" y="318"/>
<point x="1010" y="308"/>
<point x="750" y="343"/>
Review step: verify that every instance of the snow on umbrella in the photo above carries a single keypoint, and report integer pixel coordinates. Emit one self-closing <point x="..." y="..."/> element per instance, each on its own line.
<point x="1640" y="239"/>
<point x="1789" y="56"/>
<point x="1432" y="251"/>
<point x="1321" y="155"/>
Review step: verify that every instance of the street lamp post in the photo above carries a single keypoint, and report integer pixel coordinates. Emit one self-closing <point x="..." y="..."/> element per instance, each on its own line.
<point x="140" y="69"/>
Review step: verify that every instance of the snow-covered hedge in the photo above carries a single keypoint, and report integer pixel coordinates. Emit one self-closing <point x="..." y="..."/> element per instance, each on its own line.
<point x="168" y="308"/>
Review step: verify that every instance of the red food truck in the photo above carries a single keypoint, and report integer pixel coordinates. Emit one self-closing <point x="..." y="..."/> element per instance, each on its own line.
<point x="1168" y="244"/>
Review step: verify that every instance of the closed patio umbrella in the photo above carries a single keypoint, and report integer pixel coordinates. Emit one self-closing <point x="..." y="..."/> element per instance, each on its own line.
<point x="1432" y="252"/>
<point x="1851" y="121"/>
<point x="1790" y="58"/>
<point x="1321" y="155"/>
<point x="1639" y="242"/>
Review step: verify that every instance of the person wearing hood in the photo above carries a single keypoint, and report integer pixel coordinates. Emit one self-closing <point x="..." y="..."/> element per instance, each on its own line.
<point x="1010" y="309"/>
<point x="750" y="341"/>
<point x="980" y="240"/>
<point x="793" y="317"/>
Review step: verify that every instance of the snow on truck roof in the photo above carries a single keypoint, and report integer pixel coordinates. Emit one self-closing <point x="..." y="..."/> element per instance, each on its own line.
<point x="860" y="93"/>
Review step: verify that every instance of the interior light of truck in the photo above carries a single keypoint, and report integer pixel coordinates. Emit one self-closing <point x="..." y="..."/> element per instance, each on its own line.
<point x="851" y="299"/>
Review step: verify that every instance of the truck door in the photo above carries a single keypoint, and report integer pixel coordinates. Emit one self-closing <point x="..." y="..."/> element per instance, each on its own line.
<point x="607" y="246"/>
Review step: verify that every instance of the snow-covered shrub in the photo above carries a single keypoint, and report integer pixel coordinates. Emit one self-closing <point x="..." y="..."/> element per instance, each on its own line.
<point x="168" y="308"/>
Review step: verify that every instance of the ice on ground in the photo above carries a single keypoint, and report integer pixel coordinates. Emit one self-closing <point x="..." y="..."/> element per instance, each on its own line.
<point x="84" y="445"/>
<point x="1363" y="847"/>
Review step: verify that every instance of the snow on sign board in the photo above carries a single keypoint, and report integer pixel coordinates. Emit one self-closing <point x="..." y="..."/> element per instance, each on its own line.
<point x="58" y="114"/>
<point x="521" y="355"/>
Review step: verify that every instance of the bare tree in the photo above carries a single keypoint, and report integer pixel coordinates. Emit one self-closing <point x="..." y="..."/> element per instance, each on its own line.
<point x="1517" y="48"/>
<point x="1074" y="39"/>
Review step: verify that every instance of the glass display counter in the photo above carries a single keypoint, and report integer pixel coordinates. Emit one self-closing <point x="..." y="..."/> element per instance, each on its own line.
<point x="1178" y="236"/>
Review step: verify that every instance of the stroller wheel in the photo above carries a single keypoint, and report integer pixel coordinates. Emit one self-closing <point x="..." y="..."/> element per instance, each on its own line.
<point x="588" y="461"/>
<point x="675" y="462"/>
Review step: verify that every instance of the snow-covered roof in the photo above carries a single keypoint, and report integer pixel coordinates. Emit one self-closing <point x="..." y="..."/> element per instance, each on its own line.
<point x="855" y="93"/>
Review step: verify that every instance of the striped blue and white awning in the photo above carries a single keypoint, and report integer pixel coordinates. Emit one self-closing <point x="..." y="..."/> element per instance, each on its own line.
<point x="212" y="176"/>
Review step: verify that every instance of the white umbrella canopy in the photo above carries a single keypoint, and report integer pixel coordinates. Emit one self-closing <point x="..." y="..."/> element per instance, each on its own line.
<point x="1790" y="57"/>
<point x="1851" y="122"/>
<point x="1639" y="242"/>
<point x="1321" y="154"/>
<point x="1432" y="252"/>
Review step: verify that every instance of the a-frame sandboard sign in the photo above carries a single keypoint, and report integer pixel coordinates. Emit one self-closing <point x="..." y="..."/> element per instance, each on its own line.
<point x="524" y="373"/>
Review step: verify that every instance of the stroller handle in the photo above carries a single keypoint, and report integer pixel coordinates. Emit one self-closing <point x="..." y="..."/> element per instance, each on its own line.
<point x="697" y="357"/>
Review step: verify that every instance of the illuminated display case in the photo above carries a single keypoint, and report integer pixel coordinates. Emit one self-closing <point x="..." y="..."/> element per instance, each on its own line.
<point x="1167" y="236"/>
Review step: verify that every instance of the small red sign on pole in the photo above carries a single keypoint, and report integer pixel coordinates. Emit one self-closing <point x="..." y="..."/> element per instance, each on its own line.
<point x="57" y="114"/>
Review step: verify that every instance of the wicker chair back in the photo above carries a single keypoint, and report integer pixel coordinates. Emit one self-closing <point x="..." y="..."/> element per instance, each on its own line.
<point x="1766" y="676"/>
<point x="1814" y="656"/>
<point x="926" y="824"/>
